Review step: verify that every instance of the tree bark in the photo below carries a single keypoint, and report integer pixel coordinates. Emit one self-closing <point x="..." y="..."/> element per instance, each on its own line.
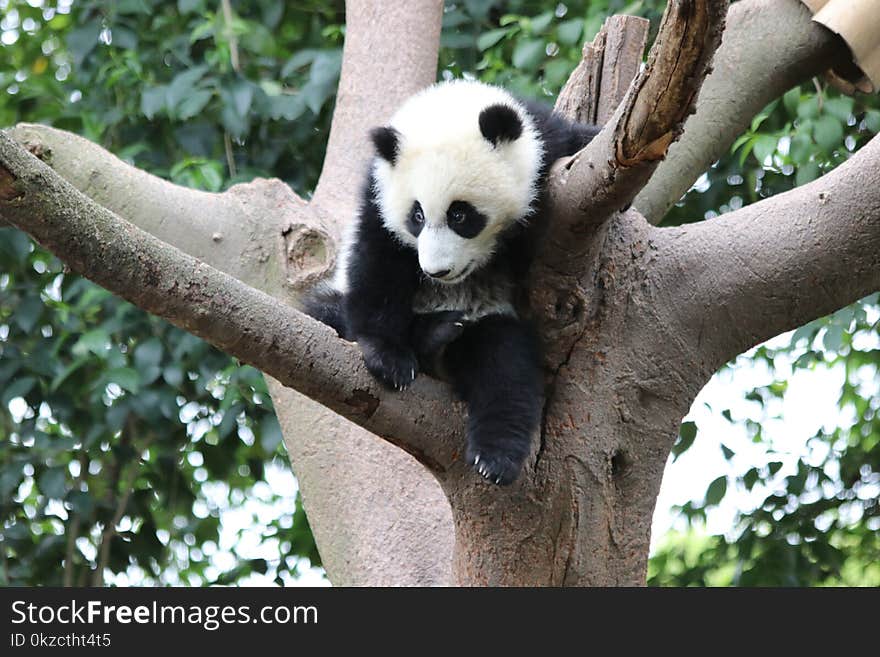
<point x="769" y="47"/>
<point x="635" y="318"/>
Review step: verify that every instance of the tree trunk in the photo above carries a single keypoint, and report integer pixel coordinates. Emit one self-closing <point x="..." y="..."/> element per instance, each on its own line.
<point x="635" y="318"/>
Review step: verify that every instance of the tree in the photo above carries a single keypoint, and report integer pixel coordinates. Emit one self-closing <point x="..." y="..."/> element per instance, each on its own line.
<point x="636" y="318"/>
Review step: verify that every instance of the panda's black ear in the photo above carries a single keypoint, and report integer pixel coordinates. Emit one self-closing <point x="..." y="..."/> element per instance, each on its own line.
<point x="500" y="123"/>
<point x="387" y="143"/>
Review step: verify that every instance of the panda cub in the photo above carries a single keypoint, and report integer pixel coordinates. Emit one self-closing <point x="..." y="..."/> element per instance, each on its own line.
<point x="431" y="275"/>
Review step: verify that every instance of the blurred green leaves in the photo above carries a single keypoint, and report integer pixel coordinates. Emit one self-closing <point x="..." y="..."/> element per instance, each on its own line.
<point x="113" y="407"/>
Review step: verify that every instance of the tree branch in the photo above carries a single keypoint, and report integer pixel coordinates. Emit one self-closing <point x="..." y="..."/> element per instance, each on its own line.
<point x="769" y="46"/>
<point x="242" y="321"/>
<point x="772" y="266"/>
<point x="229" y="231"/>
<point x="606" y="175"/>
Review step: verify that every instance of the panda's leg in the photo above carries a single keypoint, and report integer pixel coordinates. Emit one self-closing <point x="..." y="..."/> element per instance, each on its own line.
<point x="382" y="280"/>
<point x="495" y="367"/>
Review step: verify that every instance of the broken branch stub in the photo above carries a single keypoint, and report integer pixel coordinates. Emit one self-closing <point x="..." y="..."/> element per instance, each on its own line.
<point x="603" y="178"/>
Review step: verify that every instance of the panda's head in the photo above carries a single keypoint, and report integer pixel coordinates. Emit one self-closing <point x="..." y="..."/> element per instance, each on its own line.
<point x="457" y="165"/>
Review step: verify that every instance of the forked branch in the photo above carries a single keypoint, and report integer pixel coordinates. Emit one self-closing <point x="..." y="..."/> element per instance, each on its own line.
<point x="241" y="320"/>
<point x="605" y="176"/>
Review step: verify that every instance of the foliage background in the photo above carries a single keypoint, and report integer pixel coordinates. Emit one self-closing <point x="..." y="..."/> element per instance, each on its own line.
<point x="122" y="439"/>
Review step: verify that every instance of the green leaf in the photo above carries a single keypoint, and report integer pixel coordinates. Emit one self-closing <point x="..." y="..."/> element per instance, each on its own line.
<point x="18" y="388"/>
<point x="95" y="341"/>
<point x="528" y="54"/>
<point x="801" y="148"/>
<point x="569" y="32"/>
<point x="28" y="313"/>
<point x="153" y="100"/>
<point x="807" y="173"/>
<point x="808" y="108"/>
<point x="190" y="6"/>
<point x="212" y="177"/>
<point x="126" y="378"/>
<point x="298" y="61"/>
<point x="479" y="8"/>
<point x="323" y="77"/>
<point x="764" y="147"/>
<point x="10" y="479"/>
<point x="148" y="353"/>
<point x="747" y="147"/>
<point x="541" y="22"/>
<point x="81" y="503"/>
<point x="774" y="467"/>
<point x="53" y="482"/>
<point x="61" y="377"/>
<point x="270" y="433"/>
<point x="8" y="367"/>
<point x="872" y="120"/>
<point x="728" y="453"/>
<point x="791" y="100"/>
<point x="183" y="85"/>
<point x="556" y="72"/>
<point x="132" y="7"/>
<point x="193" y="104"/>
<point x="833" y="338"/>
<point x="716" y="491"/>
<point x="242" y="93"/>
<point x="806" y="359"/>
<point x="14" y="244"/>
<point x="235" y="124"/>
<point x="828" y="133"/>
<point x="286" y="106"/>
<point x="686" y="436"/>
<point x="82" y="40"/>
<point x="488" y="39"/>
<point x="750" y="478"/>
<point x="840" y="107"/>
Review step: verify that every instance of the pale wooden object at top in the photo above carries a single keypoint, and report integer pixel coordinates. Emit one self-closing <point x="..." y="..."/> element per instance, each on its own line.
<point x="858" y="24"/>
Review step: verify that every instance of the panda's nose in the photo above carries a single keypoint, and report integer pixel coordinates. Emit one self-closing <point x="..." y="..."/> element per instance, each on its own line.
<point x="439" y="273"/>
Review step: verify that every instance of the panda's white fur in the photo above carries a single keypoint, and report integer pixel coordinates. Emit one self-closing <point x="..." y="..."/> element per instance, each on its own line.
<point x="437" y="259"/>
<point x="443" y="157"/>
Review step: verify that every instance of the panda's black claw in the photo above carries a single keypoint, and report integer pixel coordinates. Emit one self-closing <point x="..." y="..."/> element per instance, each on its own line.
<point x="431" y="332"/>
<point x="394" y="365"/>
<point x="498" y="466"/>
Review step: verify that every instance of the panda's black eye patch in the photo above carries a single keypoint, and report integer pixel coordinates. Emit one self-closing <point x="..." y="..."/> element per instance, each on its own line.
<point x="465" y="219"/>
<point x="416" y="219"/>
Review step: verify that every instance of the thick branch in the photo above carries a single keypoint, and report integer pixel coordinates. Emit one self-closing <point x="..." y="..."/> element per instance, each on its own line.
<point x="748" y="275"/>
<point x="235" y="317"/>
<point x="610" y="171"/>
<point x="769" y="46"/>
<point x="228" y="231"/>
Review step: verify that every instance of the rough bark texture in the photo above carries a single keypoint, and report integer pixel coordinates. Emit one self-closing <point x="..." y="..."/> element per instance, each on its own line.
<point x="605" y="177"/>
<point x="769" y="46"/>
<point x="377" y="515"/>
<point x="635" y="318"/>
<point x="605" y="72"/>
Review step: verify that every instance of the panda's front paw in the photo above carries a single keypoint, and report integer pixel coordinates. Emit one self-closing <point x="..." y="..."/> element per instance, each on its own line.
<point x="431" y="332"/>
<point x="394" y="365"/>
<point x="498" y="465"/>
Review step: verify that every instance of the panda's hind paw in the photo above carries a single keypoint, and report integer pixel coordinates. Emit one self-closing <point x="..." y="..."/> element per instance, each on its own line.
<point x="498" y="466"/>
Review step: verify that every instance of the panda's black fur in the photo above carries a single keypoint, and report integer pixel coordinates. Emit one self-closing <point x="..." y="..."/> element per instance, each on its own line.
<point x="493" y="359"/>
